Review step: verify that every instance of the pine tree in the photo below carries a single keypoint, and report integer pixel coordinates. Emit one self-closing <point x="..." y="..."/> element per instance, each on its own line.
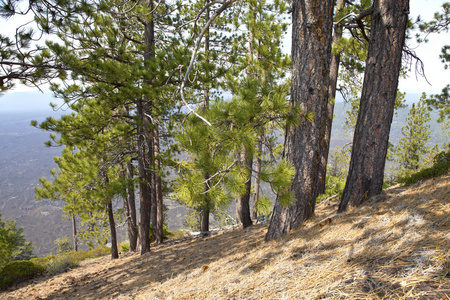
<point x="415" y="136"/>
<point x="224" y="151"/>
<point x="13" y="245"/>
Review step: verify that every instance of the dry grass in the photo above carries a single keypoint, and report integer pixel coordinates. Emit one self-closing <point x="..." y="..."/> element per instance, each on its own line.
<point x="394" y="247"/>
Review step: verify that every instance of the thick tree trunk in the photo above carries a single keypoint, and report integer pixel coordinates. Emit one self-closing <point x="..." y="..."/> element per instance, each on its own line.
<point x="243" y="201"/>
<point x="370" y="141"/>
<point x="112" y="228"/>
<point x="311" y="55"/>
<point x="74" y="233"/>
<point x="334" y="73"/>
<point x="130" y="209"/>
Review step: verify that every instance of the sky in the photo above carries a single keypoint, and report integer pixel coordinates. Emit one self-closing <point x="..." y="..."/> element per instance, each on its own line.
<point x="436" y="76"/>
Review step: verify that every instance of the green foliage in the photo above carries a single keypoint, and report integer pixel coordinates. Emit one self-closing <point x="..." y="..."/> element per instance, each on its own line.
<point x="334" y="185"/>
<point x="441" y="166"/>
<point x="413" y="146"/>
<point x="192" y="221"/>
<point x="19" y="271"/>
<point x="52" y="264"/>
<point x="339" y="162"/>
<point x="264" y="206"/>
<point x="441" y="102"/>
<point x="63" y="245"/>
<point x="68" y="260"/>
<point x="280" y="178"/>
<point x="166" y="232"/>
<point x="176" y="234"/>
<point x="61" y="264"/>
<point x="13" y="245"/>
<point x="43" y="261"/>
<point x="337" y="171"/>
<point x="99" y="251"/>
<point x="216" y="171"/>
<point x="439" y="24"/>
<point x="124" y="247"/>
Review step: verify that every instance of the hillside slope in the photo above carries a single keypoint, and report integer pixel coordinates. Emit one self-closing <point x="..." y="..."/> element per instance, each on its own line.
<point x="394" y="247"/>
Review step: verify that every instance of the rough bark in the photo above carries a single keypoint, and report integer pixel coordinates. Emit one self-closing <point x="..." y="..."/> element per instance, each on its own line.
<point x="243" y="201"/>
<point x="311" y="54"/>
<point x="334" y="73"/>
<point x="370" y="141"/>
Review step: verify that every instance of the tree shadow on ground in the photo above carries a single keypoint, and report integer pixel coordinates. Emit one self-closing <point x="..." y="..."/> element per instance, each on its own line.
<point x="397" y="244"/>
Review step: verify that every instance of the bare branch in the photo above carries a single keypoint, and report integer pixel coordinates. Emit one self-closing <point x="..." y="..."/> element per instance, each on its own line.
<point x="224" y="6"/>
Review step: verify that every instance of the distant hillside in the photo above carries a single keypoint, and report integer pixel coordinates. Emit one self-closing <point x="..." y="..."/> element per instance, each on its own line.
<point x="340" y="137"/>
<point x="395" y="246"/>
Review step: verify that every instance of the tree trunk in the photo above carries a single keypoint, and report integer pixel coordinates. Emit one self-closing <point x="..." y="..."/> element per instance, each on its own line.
<point x="334" y="73"/>
<point x="145" y="193"/>
<point x="311" y="55"/>
<point x="206" y="209"/>
<point x="130" y="208"/>
<point x="204" y="216"/>
<point x="158" y="211"/>
<point x="243" y="201"/>
<point x="112" y="228"/>
<point x="257" y="180"/>
<point x="144" y="110"/>
<point x="370" y="141"/>
<point x="74" y="233"/>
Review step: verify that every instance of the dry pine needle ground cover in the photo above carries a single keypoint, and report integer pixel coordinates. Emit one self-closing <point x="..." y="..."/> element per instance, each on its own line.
<point x="394" y="247"/>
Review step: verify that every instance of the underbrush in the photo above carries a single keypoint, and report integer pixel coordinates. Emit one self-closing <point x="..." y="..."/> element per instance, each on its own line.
<point x="20" y="271"/>
<point x="441" y="166"/>
<point x="334" y="186"/>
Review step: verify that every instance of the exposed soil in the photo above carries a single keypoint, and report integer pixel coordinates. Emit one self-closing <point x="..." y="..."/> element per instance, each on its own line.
<point x="394" y="247"/>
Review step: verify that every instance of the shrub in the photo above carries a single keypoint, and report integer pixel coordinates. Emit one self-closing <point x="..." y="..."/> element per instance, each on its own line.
<point x="19" y="271"/>
<point x="176" y="234"/>
<point x="334" y="185"/>
<point x="63" y="245"/>
<point x="441" y="166"/>
<point x="99" y="251"/>
<point x="43" y="261"/>
<point x="61" y="264"/>
<point x="124" y="247"/>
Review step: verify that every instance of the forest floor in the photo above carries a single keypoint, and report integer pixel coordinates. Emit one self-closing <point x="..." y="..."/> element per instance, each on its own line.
<point x="396" y="246"/>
